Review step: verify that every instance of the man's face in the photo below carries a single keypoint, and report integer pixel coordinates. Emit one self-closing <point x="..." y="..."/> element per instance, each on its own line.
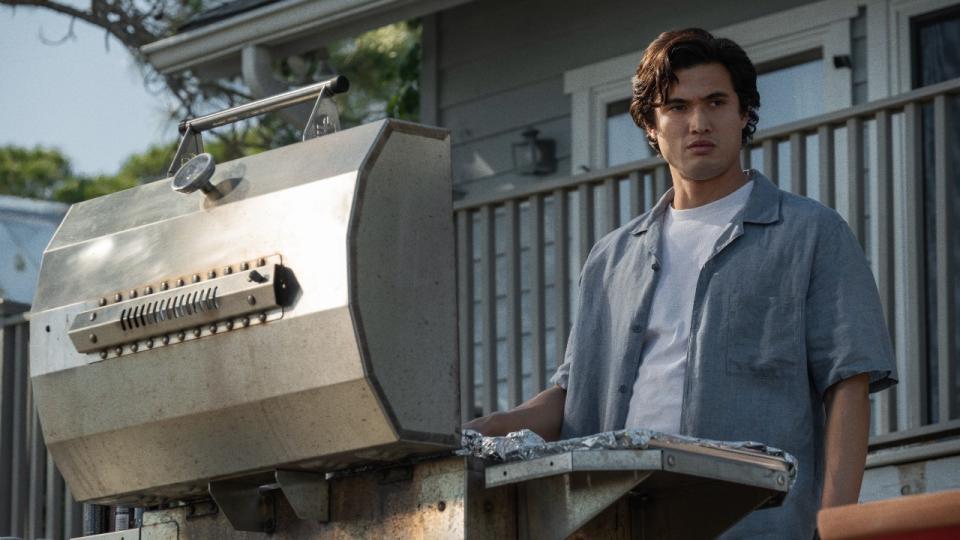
<point x="698" y="127"/>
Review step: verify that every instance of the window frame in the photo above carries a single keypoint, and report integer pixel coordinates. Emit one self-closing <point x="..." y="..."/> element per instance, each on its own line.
<point x="890" y="42"/>
<point x="823" y="26"/>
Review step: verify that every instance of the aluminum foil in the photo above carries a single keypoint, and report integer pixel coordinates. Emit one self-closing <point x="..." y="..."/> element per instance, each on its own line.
<point x="525" y="445"/>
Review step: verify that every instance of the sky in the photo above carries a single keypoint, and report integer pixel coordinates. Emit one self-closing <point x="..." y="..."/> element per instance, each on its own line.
<point x="78" y="97"/>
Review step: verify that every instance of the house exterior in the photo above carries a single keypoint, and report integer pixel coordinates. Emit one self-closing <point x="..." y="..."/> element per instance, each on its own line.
<point x="26" y="226"/>
<point x="859" y="107"/>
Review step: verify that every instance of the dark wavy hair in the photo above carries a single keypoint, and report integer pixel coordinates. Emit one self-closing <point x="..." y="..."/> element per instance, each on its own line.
<point x="680" y="49"/>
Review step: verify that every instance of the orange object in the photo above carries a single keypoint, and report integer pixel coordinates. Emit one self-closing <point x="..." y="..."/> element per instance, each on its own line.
<point x="932" y="516"/>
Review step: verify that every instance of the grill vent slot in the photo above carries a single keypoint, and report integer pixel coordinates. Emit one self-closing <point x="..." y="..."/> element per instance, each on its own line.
<point x="182" y="305"/>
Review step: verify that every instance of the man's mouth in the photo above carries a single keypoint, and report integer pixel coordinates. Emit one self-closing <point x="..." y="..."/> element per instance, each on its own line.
<point x="701" y="146"/>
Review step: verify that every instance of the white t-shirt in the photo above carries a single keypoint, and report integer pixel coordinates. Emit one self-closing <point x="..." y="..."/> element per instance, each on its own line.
<point x="688" y="238"/>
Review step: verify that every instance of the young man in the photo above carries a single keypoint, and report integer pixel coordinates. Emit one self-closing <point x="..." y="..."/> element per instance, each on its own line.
<point x="731" y="310"/>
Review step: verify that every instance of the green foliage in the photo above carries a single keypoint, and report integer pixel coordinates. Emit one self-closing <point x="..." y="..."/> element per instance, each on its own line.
<point x="45" y="173"/>
<point x="35" y="173"/>
<point x="383" y="66"/>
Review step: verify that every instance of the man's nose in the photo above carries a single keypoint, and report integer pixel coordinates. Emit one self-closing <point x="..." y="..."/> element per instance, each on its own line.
<point x="700" y="121"/>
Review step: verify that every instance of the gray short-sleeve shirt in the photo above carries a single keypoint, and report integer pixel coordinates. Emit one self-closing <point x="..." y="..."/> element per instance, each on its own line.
<point x="785" y="307"/>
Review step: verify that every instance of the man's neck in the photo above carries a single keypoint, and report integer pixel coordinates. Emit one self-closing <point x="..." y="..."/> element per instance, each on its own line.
<point x="693" y="193"/>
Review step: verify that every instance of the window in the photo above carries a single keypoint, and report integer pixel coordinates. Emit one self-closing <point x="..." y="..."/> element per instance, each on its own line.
<point x="792" y="92"/>
<point x="625" y="141"/>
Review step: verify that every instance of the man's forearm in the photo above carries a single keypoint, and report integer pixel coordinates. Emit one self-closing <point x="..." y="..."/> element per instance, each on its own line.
<point x="845" y="440"/>
<point x="542" y="414"/>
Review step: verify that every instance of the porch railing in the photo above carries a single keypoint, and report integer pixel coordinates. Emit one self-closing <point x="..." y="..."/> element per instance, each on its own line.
<point x="34" y="502"/>
<point x="886" y="166"/>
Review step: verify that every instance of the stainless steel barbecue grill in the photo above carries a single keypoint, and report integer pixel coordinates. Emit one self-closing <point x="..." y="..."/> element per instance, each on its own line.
<point x="271" y="346"/>
<point x="304" y="316"/>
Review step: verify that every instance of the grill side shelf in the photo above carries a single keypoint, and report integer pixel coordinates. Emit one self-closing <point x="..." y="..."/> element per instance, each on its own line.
<point x="180" y="309"/>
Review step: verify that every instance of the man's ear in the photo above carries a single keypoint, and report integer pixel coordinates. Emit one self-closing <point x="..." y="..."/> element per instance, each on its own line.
<point x="744" y="118"/>
<point x="651" y="132"/>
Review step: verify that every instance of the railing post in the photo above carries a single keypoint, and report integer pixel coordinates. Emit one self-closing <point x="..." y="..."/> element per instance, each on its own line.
<point x="945" y="271"/>
<point x="855" y="182"/>
<point x="538" y="360"/>
<point x="38" y="482"/>
<point x="798" y="163"/>
<point x="611" y="188"/>
<point x="20" y="460"/>
<point x="465" y="308"/>
<point x="882" y="253"/>
<point x="7" y="375"/>
<point x="514" y="307"/>
<point x="771" y="161"/>
<point x="661" y="182"/>
<point x="585" y="196"/>
<point x="561" y="275"/>
<point x="913" y="359"/>
<point x="637" y="194"/>
<point x="827" y="172"/>
<point x="488" y="299"/>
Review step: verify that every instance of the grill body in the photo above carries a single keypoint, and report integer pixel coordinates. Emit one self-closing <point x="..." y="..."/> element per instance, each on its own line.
<point x="305" y="319"/>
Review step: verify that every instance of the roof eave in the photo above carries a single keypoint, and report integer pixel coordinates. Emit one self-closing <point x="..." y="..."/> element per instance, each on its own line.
<point x="279" y="24"/>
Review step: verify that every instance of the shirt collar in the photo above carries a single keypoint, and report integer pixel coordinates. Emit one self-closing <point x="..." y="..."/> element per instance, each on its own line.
<point x="762" y="207"/>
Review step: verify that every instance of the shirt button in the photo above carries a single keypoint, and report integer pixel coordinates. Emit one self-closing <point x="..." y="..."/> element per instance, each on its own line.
<point x="636" y="328"/>
<point x="656" y="266"/>
<point x="623" y="389"/>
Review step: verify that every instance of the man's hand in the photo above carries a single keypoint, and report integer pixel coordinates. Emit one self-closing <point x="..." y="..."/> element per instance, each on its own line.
<point x="542" y="414"/>
<point x="845" y="440"/>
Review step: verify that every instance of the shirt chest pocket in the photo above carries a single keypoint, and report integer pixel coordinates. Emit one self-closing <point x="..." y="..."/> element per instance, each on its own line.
<point x="763" y="336"/>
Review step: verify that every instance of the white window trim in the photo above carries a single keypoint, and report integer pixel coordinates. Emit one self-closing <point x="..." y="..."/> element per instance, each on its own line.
<point x="888" y="40"/>
<point x="822" y="25"/>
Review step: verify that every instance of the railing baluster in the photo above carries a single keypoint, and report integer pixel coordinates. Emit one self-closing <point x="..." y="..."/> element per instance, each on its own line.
<point x="538" y="361"/>
<point x="465" y="293"/>
<point x="946" y="315"/>
<point x="611" y="188"/>
<point x="20" y="460"/>
<point x="514" y="310"/>
<point x="637" y="194"/>
<point x="54" y="500"/>
<point x="585" y="196"/>
<point x="914" y="368"/>
<point x="855" y="182"/>
<point x="882" y="252"/>
<point x="771" y="162"/>
<point x="7" y="373"/>
<point x="661" y="181"/>
<point x="561" y="275"/>
<point x="488" y="299"/>
<point x="798" y="163"/>
<point x="827" y="172"/>
<point x="73" y="515"/>
<point x="38" y="471"/>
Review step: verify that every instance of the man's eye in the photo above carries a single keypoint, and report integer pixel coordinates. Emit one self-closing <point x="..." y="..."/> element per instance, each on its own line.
<point x="677" y="107"/>
<point x="717" y="103"/>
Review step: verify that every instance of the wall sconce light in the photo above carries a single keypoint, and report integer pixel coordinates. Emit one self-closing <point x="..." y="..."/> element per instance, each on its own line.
<point x="533" y="155"/>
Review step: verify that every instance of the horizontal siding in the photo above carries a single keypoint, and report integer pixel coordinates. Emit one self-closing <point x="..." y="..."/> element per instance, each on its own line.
<point x="495" y="45"/>
<point x="500" y="66"/>
<point x="507" y="111"/>
<point x="493" y="155"/>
